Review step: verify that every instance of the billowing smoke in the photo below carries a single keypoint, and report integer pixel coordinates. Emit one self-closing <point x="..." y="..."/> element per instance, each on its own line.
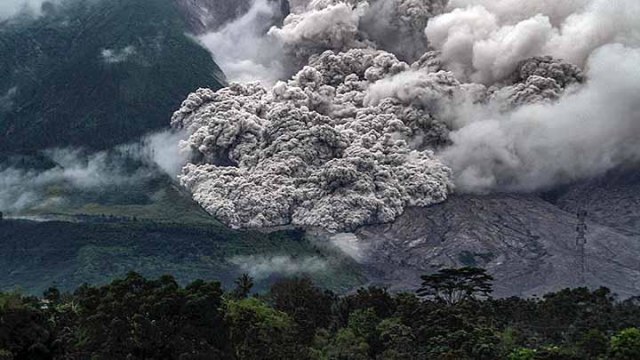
<point x="241" y="49"/>
<point x="246" y="49"/>
<point x="483" y="40"/>
<point x="391" y="101"/>
<point x="312" y="151"/>
<point x="590" y="130"/>
<point x="585" y="131"/>
<point x="316" y="151"/>
<point x="395" y="26"/>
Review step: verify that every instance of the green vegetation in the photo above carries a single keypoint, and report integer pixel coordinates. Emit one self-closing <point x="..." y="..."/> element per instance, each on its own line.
<point x="157" y="199"/>
<point x="136" y="318"/>
<point x="36" y="255"/>
<point x="94" y="74"/>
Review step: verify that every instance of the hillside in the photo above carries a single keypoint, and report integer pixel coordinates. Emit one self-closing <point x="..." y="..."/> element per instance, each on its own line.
<point x="95" y="75"/>
<point x="528" y="242"/>
<point x="36" y="255"/>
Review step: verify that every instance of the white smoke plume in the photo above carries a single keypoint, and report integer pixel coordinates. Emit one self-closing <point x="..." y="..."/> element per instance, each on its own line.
<point x="247" y="50"/>
<point x="510" y="96"/>
<point x="585" y="133"/>
<point x="241" y="49"/>
<point x="262" y="267"/>
<point x="351" y="245"/>
<point x="163" y="149"/>
<point x="482" y="40"/>
<point x="10" y="8"/>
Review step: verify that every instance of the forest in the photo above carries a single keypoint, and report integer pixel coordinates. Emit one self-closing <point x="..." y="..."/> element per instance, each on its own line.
<point x="451" y="316"/>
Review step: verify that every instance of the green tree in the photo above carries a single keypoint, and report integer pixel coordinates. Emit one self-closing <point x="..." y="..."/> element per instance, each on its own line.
<point x="140" y="319"/>
<point x="593" y="344"/>
<point x="345" y="345"/>
<point x="24" y="330"/>
<point x="625" y="345"/>
<point x="364" y="324"/>
<point x="244" y="284"/>
<point x="376" y="298"/>
<point x="455" y="285"/>
<point x="258" y="331"/>
<point x="6" y="355"/>
<point x="523" y="354"/>
<point x="397" y="340"/>
<point x="308" y="305"/>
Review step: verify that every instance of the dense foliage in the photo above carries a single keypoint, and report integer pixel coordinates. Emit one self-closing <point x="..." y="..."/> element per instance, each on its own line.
<point x="86" y="69"/>
<point x="136" y="318"/>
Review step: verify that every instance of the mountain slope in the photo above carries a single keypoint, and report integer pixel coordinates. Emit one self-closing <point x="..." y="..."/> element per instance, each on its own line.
<point x="527" y="243"/>
<point x="36" y="255"/>
<point x="96" y="74"/>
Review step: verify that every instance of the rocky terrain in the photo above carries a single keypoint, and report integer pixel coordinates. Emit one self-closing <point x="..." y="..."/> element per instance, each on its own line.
<point x="527" y="242"/>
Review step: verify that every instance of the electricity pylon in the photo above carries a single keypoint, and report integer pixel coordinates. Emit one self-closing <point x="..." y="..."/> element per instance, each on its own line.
<point x="581" y="241"/>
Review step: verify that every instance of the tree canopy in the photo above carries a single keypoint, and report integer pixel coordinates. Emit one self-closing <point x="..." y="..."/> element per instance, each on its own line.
<point x="138" y="318"/>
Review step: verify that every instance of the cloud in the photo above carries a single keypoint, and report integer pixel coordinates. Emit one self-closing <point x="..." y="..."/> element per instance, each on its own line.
<point x="587" y="132"/>
<point x="74" y="171"/>
<point x="22" y="189"/>
<point x="116" y="56"/>
<point x="10" y="8"/>
<point x="263" y="266"/>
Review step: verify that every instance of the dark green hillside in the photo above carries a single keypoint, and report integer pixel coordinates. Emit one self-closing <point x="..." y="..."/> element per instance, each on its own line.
<point x="96" y="74"/>
<point x="36" y="255"/>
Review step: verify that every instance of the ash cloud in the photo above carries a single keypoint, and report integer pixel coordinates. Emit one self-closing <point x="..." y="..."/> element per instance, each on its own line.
<point x="482" y="40"/>
<point x="310" y="152"/>
<point x="585" y="133"/>
<point x="391" y="103"/>
<point x="241" y="48"/>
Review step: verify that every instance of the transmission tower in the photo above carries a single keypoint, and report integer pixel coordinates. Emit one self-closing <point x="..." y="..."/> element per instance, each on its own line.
<point x="581" y="240"/>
